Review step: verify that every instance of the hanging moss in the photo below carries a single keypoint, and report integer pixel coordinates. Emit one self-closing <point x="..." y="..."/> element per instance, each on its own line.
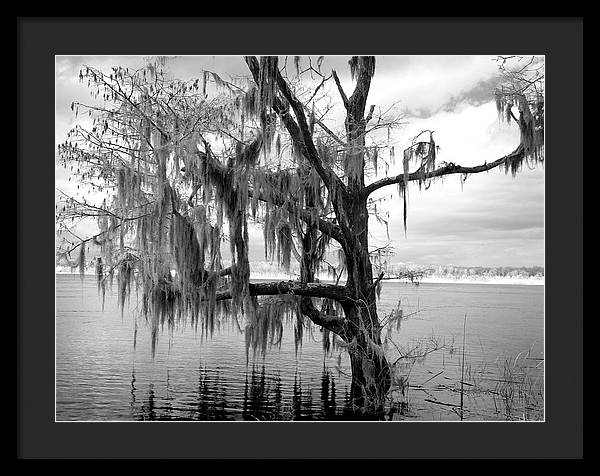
<point x="124" y="278"/>
<point x="360" y="64"/>
<point x="189" y="256"/>
<point x="284" y="248"/>
<point x="100" y="279"/>
<point x="171" y="195"/>
<point x="264" y="329"/>
<point x="267" y="81"/>
<point x="82" y="260"/>
<point x="531" y="126"/>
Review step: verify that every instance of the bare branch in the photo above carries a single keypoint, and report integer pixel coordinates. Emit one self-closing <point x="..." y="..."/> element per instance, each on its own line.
<point x="370" y="114"/>
<point x="340" y="89"/>
<point x="328" y="131"/>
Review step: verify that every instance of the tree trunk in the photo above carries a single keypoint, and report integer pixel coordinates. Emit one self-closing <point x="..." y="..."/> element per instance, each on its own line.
<point x="370" y="369"/>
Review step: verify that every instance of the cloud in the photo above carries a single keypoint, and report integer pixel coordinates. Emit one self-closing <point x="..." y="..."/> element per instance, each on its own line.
<point x="425" y="84"/>
<point x="481" y="93"/>
<point x="475" y="222"/>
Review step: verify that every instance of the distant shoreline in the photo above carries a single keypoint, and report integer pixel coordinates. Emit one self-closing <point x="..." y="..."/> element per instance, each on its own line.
<point x="426" y="280"/>
<point x="521" y="281"/>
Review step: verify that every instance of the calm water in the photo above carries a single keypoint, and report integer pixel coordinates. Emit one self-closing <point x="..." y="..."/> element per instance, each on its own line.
<point x="101" y="375"/>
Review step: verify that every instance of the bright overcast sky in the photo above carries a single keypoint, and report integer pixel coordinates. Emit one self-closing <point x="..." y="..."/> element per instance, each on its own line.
<point x="491" y="220"/>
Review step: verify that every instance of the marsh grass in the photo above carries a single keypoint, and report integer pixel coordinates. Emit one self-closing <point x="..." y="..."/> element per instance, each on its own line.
<point x="508" y="388"/>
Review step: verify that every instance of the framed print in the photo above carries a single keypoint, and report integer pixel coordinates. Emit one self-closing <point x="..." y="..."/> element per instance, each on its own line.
<point x="254" y="248"/>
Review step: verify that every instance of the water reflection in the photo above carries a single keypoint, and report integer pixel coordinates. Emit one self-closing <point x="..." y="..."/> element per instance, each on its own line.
<point x="96" y="379"/>
<point x="262" y="396"/>
<point x="328" y="394"/>
<point x="132" y="392"/>
<point x="211" y="403"/>
<point x="148" y="406"/>
<point x="266" y="397"/>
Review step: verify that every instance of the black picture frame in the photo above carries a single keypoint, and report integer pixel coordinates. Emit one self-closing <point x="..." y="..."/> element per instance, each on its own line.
<point x="560" y="39"/>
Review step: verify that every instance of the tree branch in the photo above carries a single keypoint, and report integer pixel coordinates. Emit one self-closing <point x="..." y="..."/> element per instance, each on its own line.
<point x="305" y="290"/>
<point x="329" y="132"/>
<point x="448" y="169"/>
<point x="340" y="89"/>
<point x="299" y="131"/>
<point x="327" y="227"/>
<point x="333" y="323"/>
<point x="319" y="290"/>
<point x="370" y="115"/>
<point x="216" y="169"/>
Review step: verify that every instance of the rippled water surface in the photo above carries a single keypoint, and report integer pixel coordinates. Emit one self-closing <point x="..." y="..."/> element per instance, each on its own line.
<point x="101" y="375"/>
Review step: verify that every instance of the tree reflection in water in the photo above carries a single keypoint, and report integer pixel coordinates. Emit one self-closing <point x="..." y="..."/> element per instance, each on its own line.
<point x="265" y="398"/>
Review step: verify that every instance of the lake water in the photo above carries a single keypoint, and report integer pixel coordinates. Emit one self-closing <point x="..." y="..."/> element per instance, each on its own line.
<point x="102" y="376"/>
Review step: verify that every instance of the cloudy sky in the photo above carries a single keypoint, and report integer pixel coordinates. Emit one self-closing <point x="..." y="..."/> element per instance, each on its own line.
<point x="490" y="220"/>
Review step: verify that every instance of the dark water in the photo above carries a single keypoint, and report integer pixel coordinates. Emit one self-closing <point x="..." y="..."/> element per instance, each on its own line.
<point x="101" y="375"/>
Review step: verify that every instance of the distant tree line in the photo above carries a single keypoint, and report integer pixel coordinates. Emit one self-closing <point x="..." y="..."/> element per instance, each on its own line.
<point x="471" y="271"/>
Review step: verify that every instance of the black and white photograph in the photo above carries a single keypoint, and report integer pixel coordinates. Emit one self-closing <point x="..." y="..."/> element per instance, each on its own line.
<point x="300" y="238"/>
